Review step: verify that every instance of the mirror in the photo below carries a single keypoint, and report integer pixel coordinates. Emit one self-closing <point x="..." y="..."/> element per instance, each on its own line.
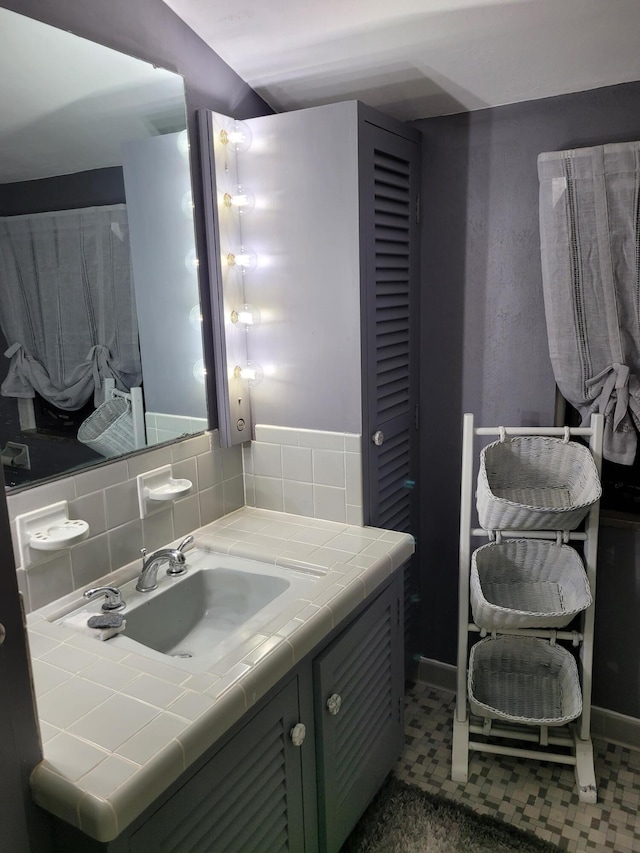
<point x="86" y="131"/>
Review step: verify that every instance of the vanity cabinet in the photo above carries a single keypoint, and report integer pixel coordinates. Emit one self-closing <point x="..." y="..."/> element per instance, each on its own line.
<point x="358" y="698"/>
<point x="298" y="771"/>
<point x="248" y="797"/>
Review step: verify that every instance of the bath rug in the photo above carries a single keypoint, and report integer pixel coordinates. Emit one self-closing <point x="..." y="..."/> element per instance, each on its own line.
<point x="405" y="819"/>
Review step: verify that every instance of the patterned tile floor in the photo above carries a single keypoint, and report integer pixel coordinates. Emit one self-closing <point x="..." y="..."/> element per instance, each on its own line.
<point x="537" y="796"/>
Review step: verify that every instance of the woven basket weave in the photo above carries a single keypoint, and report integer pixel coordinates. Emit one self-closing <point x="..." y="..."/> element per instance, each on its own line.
<point x="527" y="583"/>
<point x="535" y="483"/>
<point x="523" y="680"/>
<point x="109" y="430"/>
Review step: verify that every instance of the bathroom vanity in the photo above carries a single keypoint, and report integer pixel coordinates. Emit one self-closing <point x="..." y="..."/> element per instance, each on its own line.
<point x="278" y="745"/>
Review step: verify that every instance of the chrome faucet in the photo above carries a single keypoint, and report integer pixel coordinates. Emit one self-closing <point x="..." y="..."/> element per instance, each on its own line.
<point x="148" y="579"/>
<point x="113" y="597"/>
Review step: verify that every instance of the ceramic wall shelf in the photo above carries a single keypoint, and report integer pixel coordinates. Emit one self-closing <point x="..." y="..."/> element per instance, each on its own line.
<point x="48" y="529"/>
<point x="158" y="489"/>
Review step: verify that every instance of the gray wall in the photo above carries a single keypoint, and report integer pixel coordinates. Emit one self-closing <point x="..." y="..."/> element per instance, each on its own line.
<point x="484" y="345"/>
<point x="64" y="192"/>
<point x="303" y="168"/>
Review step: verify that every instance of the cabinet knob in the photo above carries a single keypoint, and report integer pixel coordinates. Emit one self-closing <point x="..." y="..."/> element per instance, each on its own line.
<point x="377" y="438"/>
<point x="298" y="734"/>
<point x="333" y="703"/>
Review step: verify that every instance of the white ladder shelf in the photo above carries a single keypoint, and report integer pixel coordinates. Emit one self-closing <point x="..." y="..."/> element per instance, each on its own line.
<point x="570" y="745"/>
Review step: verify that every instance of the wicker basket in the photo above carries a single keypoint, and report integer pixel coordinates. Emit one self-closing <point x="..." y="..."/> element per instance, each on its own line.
<point x="524" y="680"/>
<point x="109" y="430"/>
<point x="535" y="483"/>
<point x="527" y="583"/>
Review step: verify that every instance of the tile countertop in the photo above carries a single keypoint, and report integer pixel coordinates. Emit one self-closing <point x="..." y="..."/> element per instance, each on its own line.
<point x="118" y="728"/>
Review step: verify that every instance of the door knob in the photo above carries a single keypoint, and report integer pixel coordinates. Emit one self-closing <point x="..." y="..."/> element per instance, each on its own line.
<point x="298" y="734"/>
<point x="377" y="438"/>
<point x="333" y="703"/>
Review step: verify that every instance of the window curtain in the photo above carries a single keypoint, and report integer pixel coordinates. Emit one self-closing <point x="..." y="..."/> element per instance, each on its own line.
<point x="68" y="306"/>
<point x="590" y="250"/>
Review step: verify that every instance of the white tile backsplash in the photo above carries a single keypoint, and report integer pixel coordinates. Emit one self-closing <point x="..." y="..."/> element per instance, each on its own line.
<point x="330" y="503"/>
<point x="49" y="580"/>
<point x="298" y="497"/>
<point x="232" y="494"/>
<point x="90" y="560"/>
<point x="106" y="497"/>
<point x="269" y="492"/>
<point x="267" y="460"/>
<point x="305" y="472"/>
<point x="186" y="515"/>
<point x="297" y="463"/>
<point x="329" y="468"/>
<point x="211" y="504"/>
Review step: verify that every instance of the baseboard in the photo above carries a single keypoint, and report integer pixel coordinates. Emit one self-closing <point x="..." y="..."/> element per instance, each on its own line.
<point x="606" y="725"/>
<point x="437" y="674"/>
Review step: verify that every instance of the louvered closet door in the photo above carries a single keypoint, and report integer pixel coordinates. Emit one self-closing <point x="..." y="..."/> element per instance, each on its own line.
<point x="247" y="799"/>
<point x="390" y="267"/>
<point x="390" y="261"/>
<point x="359" y="742"/>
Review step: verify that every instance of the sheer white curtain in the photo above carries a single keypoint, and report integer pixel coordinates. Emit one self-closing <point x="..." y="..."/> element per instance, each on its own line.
<point x="590" y="247"/>
<point x="68" y="307"/>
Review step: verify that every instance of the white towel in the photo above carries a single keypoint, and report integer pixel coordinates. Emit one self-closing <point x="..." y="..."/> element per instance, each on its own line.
<point x="78" y="621"/>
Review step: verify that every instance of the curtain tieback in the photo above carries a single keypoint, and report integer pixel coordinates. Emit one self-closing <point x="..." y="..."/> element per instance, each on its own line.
<point x="99" y="358"/>
<point x="19" y="366"/>
<point x="616" y="384"/>
<point x="13" y="349"/>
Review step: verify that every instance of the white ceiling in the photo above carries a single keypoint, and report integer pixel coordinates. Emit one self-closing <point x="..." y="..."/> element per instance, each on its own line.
<point x="420" y="58"/>
<point x="67" y="104"/>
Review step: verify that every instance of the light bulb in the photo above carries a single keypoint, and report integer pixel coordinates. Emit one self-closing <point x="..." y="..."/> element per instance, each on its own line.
<point x="243" y="259"/>
<point x="251" y="373"/>
<point x="240" y="202"/>
<point x="191" y="261"/>
<point x="238" y="137"/>
<point x="182" y="142"/>
<point x="195" y="317"/>
<point x="246" y="315"/>
<point x="187" y="205"/>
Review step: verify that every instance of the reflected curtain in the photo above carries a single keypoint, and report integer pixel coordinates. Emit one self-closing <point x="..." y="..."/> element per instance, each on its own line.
<point x="590" y="250"/>
<point x="68" y="305"/>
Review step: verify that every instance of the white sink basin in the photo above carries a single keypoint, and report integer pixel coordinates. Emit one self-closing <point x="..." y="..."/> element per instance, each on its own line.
<point x="191" y="617"/>
<point x="197" y="618"/>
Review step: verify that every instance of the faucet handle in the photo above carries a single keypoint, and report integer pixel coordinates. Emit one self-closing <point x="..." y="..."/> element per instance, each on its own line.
<point x="177" y="563"/>
<point x="188" y="540"/>
<point x="113" y="597"/>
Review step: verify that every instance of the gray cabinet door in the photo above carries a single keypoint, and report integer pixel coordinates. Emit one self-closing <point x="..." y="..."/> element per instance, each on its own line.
<point x="389" y="260"/>
<point x="246" y="799"/>
<point x="390" y="283"/>
<point x="357" y="744"/>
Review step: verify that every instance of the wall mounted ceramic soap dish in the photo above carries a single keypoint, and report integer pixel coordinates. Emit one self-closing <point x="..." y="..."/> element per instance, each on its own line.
<point x="48" y="529"/>
<point x="169" y="491"/>
<point x="59" y="535"/>
<point x="158" y="489"/>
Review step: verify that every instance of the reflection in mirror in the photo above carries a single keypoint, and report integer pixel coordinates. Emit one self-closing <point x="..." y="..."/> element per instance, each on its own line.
<point x="98" y="271"/>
